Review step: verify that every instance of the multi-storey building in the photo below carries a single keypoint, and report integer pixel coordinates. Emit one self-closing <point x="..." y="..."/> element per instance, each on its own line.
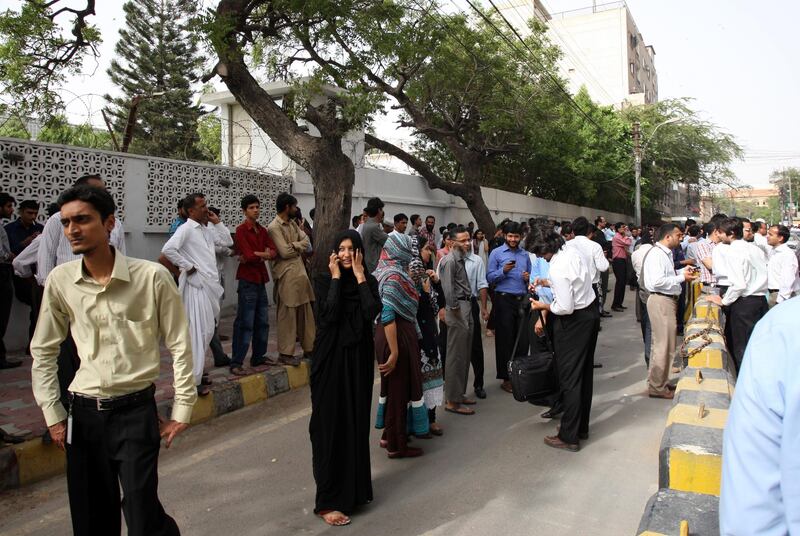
<point x="602" y="47"/>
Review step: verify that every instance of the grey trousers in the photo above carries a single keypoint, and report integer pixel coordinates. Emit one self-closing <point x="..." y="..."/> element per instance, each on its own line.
<point x="459" y="346"/>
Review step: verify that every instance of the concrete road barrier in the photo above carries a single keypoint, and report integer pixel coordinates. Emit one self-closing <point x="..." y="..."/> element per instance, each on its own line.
<point x="690" y="455"/>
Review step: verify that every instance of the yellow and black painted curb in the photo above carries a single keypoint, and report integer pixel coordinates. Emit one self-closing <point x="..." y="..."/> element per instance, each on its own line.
<point x="668" y="509"/>
<point x="690" y="455"/>
<point x="33" y="461"/>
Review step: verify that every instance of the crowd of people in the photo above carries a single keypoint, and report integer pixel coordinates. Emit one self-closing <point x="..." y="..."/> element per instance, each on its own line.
<point x="415" y="298"/>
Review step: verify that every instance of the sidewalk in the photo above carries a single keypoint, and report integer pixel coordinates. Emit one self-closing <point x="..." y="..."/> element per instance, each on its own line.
<point x="19" y="414"/>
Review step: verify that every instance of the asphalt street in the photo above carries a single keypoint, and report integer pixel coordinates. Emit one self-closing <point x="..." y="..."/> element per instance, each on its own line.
<point x="249" y="472"/>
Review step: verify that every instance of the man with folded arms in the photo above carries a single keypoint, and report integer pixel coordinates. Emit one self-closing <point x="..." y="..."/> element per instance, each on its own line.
<point x="782" y="280"/>
<point x="117" y="308"/>
<point x="664" y="285"/>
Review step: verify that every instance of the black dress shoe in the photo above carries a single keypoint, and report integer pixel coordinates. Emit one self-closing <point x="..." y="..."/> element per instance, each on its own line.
<point x="224" y="362"/>
<point x="551" y="413"/>
<point x="617" y="309"/>
<point x="605" y="314"/>
<point x="480" y="392"/>
<point x="597" y="365"/>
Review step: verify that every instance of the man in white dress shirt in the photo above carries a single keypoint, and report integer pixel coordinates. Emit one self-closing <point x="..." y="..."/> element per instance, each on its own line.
<point x="760" y="231"/>
<point x="576" y="320"/>
<point x="664" y="285"/>
<point x="593" y="257"/>
<point x="746" y="297"/>
<point x="637" y="259"/>
<point x="192" y="250"/>
<point x="782" y="280"/>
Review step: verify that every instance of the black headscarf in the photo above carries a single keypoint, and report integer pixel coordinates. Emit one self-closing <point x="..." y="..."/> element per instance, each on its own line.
<point x="351" y="323"/>
<point x="349" y="284"/>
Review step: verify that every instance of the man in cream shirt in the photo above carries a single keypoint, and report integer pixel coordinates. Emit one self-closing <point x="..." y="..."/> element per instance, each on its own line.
<point x="117" y="309"/>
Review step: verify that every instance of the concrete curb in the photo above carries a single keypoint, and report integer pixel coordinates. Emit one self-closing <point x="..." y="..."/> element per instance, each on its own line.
<point x="33" y="461"/>
<point x="690" y="455"/>
<point x="667" y="508"/>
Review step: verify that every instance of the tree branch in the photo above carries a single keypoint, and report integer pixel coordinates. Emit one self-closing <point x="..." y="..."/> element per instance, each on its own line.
<point x="426" y="172"/>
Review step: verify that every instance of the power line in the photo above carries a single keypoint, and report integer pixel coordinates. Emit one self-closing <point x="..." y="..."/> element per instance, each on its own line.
<point x="574" y="53"/>
<point x="532" y="56"/>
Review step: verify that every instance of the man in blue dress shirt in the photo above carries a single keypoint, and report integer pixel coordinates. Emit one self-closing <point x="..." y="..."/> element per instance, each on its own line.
<point x="509" y="271"/>
<point x="761" y="446"/>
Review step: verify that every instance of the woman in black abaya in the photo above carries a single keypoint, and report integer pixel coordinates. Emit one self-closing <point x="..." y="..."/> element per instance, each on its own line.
<point x="342" y="376"/>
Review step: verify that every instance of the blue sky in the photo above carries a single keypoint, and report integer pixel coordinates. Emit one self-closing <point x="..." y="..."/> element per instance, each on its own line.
<point x="735" y="58"/>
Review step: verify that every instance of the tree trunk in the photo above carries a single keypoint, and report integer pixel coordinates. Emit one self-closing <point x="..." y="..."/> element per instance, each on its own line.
<point x="477" y="206"/>
<point x="333" y="195"/>
<point x="332" y="172"/>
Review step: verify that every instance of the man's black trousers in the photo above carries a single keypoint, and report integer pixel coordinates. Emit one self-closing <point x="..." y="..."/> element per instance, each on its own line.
<point x="477" y="345"/>
<point x="574" y="339"/>
<point x="742" y="317"/>
<point x="621" y="276"/>
<point x="111" y="449"/>
<point x="508" y="310"/>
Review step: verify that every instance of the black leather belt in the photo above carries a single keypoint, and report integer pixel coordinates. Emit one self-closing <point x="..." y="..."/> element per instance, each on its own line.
<point x="773" y="290"/>
<point x="671" y="296"/>
<point x="116" y="402"/>
<point x="508" y="295"/>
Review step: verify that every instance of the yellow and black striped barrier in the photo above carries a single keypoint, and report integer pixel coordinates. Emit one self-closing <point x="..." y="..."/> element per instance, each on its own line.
<point x="690" y="457"/>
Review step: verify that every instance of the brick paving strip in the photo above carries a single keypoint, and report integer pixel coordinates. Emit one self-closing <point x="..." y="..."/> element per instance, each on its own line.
<point x="19" y="415"/>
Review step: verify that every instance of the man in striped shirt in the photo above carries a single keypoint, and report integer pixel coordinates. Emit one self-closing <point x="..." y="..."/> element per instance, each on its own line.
<point x="703" y="249"/>
<point x="54" y="248"/>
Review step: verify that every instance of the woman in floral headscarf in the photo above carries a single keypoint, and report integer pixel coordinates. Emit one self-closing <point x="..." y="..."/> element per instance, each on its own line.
<point x="431" y="306"/>
<point x="401" y="410"/>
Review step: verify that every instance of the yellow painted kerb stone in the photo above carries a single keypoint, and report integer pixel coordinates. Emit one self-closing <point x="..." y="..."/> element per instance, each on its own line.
<point x="298" y="376"/>
<point x="707" y="358"/>
<point x="689" y="414"/>
<point x="695" y="471"/>
<point x="38" y="461"/>
<point x="254" y="388"/>
<point x="203" y="409"/>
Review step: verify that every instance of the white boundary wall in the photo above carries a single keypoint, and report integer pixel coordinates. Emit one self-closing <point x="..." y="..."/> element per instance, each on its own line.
<point x="147" y="189"/>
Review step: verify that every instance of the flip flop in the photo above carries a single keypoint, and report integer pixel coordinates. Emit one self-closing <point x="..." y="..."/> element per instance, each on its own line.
<point x="238" y="371"/>
<point x="469" y="402"/>
<point x="460" y="411"/>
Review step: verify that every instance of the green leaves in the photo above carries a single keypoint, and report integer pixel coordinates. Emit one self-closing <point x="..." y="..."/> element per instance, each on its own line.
<point x="37" y="54"/>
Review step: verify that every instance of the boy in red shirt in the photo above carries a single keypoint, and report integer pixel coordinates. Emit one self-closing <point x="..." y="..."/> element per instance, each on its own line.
<point x="255" y="247"/>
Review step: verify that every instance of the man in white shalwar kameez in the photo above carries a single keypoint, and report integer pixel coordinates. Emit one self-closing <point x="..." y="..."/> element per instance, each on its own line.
<point x="191" y="249"/>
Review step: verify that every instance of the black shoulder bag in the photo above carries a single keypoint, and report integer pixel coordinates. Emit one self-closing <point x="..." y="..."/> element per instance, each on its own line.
<point x="533" y="377"/>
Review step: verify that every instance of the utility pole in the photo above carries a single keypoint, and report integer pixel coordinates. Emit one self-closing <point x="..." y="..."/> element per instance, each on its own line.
<point x="637" y="155"/>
